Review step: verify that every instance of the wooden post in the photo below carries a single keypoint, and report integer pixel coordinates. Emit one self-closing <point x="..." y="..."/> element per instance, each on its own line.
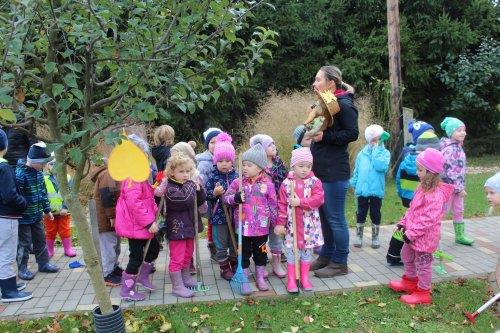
<point x="395" y="72"/>
<point x="407" y="117"/>
<point x="94" y="228"/>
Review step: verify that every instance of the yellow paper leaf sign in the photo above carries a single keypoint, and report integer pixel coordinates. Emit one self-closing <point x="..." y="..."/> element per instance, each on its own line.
<point x="7" y="116"/>
<point x="128" y="161"/>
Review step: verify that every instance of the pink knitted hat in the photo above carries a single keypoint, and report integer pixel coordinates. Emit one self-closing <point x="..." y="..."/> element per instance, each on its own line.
<point x="302" y="154"/>
<point x="264" y="139"/>
<point x="224" y="148"/>
<point x="432" y="160"/>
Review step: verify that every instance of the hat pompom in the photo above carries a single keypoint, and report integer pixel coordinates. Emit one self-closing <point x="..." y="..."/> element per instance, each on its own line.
<point x="224" y="137"/>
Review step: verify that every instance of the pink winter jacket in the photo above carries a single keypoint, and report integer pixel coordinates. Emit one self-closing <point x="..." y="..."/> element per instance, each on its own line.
<point x="422" y="221"/>
<point x="135" y="210"/>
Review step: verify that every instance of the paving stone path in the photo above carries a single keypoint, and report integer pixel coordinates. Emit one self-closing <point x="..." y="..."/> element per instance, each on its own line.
<point x="70" y="289"/>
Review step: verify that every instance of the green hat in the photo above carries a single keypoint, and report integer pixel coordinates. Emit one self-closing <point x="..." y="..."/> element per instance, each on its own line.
<point x="450" y="125"/>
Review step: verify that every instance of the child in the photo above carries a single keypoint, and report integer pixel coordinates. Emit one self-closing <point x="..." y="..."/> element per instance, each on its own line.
<point x="492" y="188"/>
<point x="180" y="193"/>
<point x="421" y="229"/>
<point x="61" y="224"/>
<point x="29" y="180"/>
<point x="277" y="171"/>
<point x="259" y="207"/>
<point x="106" y="192"/>
<point x="300" y="137"/>
<point x="406" y="183"/>
<point x="218" y="182"/>
<point x="368" y="180"/>
<point x="136" y="220"/>
<point x="205" y="166"/>
<point x="12" y="205"/>
<point x="307" y="198"/>
<point x="454" y="173"/>
<point x="163" y="139"/>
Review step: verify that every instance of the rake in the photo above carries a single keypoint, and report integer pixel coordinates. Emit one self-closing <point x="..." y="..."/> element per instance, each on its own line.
<point x="441" y="256"/>
<point x="295" y="245"/>
<point x="239" y="279"/>
<point x="472" y="316"/>
<point x="200" y="285"/>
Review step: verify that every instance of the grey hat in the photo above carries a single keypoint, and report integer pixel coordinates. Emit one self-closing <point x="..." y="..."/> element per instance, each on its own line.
<point x="494" y="182"/>
<point x="427" y="140"/>
<point x="298" y="133"/>
<point x="257" y="155"/>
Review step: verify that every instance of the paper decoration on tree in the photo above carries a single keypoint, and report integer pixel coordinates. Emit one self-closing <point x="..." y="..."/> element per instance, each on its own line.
<point x="127" y="161"/>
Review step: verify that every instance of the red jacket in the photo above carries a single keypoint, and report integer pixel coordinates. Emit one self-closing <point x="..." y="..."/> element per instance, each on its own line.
<point x="135" y="210"/>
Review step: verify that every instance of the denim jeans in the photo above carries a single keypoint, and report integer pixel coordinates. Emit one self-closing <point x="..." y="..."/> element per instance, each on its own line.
<point x="333" y="222"/>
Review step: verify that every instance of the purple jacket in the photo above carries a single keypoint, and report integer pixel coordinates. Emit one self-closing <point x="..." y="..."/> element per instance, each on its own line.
<point x="260" y="210"/>
<point x="454" y="163"/>
<point x="135" y="210"/>
<point x="179" y="204"/>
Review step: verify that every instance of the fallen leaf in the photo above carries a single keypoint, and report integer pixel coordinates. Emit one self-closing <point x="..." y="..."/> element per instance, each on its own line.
<point x="165" y="327"/>
<point x="308" y="319"/>
<point x="205" y="330"/>
<point x="381" y="305"/>
<point x="298" y="311"/>
<point x="75" y="330"/>
<point x="325" y="326"/>
<point x="235" y="308"/>
<point x="194" y="324"/>
<point x="86" y="323"/>
<point x="204" y="317"/>
<point x="237" y="330"/>
<point x="294" y="329"/>
<point x="306" y="303"/>
<point x="195" y="309"/>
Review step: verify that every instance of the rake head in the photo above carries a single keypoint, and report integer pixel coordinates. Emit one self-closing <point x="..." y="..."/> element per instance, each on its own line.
<point x="239" y="283"/>
<point x="200" y="287"/>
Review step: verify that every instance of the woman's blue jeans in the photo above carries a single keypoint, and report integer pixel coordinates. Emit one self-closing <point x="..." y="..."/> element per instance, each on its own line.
<point x="333" y="222"/>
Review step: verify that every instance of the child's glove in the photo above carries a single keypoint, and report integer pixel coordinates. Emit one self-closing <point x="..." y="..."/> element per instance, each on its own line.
<point x="239" y="197"/>
<point x="279" y="230"/>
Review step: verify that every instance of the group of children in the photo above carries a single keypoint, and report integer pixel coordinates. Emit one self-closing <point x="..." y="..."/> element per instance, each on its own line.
<point x="32" y="214"/>
<point x="184" y="186"/>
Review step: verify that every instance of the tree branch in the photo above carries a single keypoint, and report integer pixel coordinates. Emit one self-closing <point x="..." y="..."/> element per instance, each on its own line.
<point x="107" y="101"/>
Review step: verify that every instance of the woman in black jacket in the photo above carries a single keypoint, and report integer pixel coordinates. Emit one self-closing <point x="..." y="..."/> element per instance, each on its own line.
<point x="331" y="166"/>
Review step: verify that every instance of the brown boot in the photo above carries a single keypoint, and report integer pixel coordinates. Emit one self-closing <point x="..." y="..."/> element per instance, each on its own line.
<point x="331" y="270"/>
<point x="319" y="263"/>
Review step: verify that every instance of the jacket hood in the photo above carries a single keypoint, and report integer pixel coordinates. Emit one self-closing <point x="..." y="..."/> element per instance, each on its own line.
<point x="97" y="172"/>
<point x="409" y="163"/>
<point x="205" y="156"/>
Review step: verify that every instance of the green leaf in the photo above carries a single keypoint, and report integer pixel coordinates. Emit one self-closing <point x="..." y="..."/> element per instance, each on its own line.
<point x="216" y="95"/>
<point x="57" y="89"/>
<point x="64" y="104"/>
<point x="7" y="116"/>
<point x="76" y="154"/>
<point x="50" y="67"/>
<point x="70" y="80"/>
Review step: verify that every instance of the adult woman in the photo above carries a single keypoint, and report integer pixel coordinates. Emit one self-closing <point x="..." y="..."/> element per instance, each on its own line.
<point x="331" y="165"/>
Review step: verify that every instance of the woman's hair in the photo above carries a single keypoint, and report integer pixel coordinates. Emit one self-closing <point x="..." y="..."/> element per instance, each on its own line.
<point x="430" y="181"/>
<point x="164" y="135"/>
<point x="333" y="73"/>
<point x="176" y="160"/>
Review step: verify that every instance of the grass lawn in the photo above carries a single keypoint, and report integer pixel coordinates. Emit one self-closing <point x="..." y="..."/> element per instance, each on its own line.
<point x="371" y="310"/>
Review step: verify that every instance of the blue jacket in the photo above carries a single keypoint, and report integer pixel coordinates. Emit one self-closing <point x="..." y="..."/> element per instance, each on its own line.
<point x="215" y="210"/>
<point x="406" y="177"/>
<point x="369" y="171"/>
<point x="205" y="166"/>
<point x="12" y="203"/>
<point x="32" y="187"/>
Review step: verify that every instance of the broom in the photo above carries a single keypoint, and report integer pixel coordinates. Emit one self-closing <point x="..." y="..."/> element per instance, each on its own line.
<point x="295" y="245"/>
<point x="200" y="286"/>
<point x="239" y="278"/>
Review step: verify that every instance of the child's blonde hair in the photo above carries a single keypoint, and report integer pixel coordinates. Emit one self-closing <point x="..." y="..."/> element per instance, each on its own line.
<point x="430" y="181"/>
<point x="176" y="160"/>
<point x="164" y="135"/>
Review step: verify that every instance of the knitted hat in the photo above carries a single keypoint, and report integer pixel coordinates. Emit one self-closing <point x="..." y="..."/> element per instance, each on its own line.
<point x="302" y="154"/>
<point x="372" y="132"/>
<point x="186" y="148"/>
<point x="494" y="182"/>
<point x="298" y="133"/>
<point x="37" y="153"/>
<point x="224" y="148"/>
<point x="140" y="142"/>
<point x="450" y="125"/>
<point x="4" y="142"/>
<point x="427" y="140"/>
<point x="432" y="160"/>
<point x="264" y="139"/>
<point x="416" y="128"/>
<point x="257" y="155"/>
<point x="209" y="134"/>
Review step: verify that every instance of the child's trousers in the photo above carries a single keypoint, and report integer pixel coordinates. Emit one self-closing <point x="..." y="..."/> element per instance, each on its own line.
<point x="32" y="233"/>
<point x="374" y="204"/>
<point x="275" y="243"/>
<point x="8" y="247"/>
<point x="418" y="264"/>
<point x="305" y="255"/>
<point x="456" y="206"/>
<point x="181" y="253"/>
<point x="136" y="248"/>
<point x="110" y="251"/>
<point x="254" y="246"/>
<point x="60" y="225"/>
<point x="222" y="240"/>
